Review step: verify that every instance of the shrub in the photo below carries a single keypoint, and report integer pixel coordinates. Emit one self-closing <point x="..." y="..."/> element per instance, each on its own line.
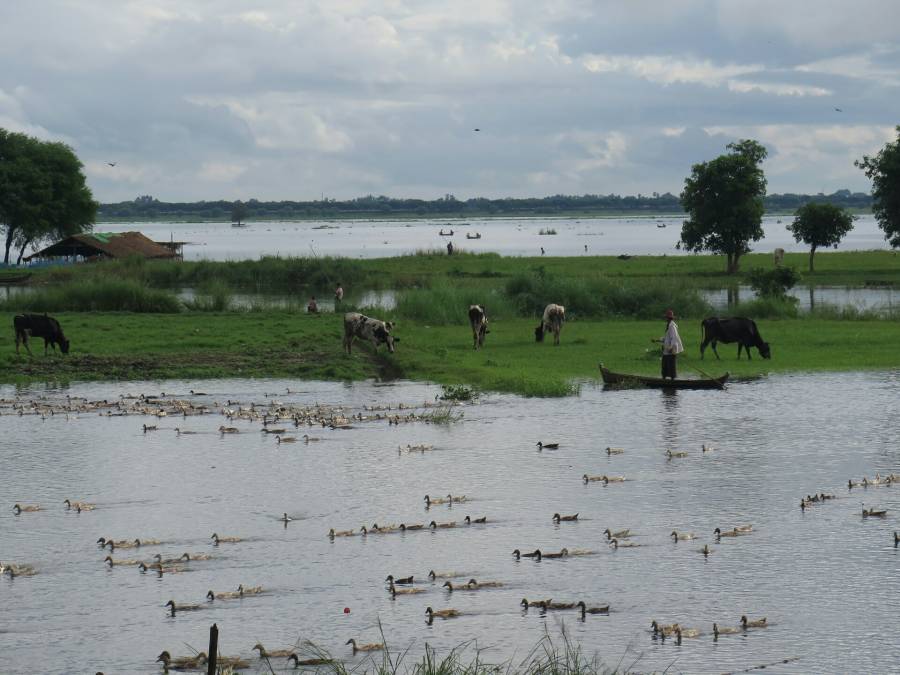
<point x="773" y="283"/>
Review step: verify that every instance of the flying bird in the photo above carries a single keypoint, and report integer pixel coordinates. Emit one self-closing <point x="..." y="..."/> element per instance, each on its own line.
<point x="476" y="129"/>
<point x="838" y="110"/>
<point x="111" y="163"/>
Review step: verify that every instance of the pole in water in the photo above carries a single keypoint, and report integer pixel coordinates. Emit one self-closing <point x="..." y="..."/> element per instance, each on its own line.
<point x="212" y="654"/>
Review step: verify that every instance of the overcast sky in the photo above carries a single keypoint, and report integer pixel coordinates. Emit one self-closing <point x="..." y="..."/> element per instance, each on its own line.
<point x="293" y="99"/>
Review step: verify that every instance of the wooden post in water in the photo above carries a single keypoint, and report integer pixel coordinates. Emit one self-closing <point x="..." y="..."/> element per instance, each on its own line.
<point x="213" y="649"/>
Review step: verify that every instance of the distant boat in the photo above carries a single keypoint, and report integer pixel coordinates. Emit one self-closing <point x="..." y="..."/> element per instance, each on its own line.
<point x="477" y="235"/>
<point x="239" y="224"/>
<point x="446" y="234"/>
<point x="660" y="225"/>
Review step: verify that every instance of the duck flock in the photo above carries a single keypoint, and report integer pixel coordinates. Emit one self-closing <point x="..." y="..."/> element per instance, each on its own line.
<point x="441" y="594"/>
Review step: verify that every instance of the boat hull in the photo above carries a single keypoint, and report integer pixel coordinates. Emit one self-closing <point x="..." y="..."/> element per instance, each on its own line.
<point x="612" y="378"/>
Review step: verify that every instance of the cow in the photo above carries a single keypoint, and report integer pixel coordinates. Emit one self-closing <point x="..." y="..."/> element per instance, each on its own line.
<point x="39" y="326"/>
<point x="552" y="321"/>
<point x="737" y="329"/>
<point x="358" y="325"/>
<point x="479" y="322"/>
<point x="779" y="257"/>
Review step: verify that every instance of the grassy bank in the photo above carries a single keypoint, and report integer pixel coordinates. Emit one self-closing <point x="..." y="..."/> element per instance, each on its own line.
<point x="125" y="346"/>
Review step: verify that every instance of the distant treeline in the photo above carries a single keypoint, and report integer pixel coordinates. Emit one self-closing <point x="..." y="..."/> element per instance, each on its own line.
<point x="149" y="208"/>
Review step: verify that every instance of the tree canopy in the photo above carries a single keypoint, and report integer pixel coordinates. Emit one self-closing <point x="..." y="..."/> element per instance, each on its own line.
<point x="884" y="170"/>
<point x="43" y="193"/>
<point x="724" y="202"/>
<point x="820" y="225"/>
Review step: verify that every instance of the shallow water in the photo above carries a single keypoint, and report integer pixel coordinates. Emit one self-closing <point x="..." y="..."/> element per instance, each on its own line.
<point x="826" y="579"/>
<point x="507" y="236"/>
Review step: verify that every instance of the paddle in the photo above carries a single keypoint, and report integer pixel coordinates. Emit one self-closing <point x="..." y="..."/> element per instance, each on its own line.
<point x="706" y="375"/>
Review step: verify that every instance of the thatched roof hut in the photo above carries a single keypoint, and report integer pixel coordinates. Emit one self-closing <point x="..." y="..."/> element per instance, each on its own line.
<point x="98" y="245"/>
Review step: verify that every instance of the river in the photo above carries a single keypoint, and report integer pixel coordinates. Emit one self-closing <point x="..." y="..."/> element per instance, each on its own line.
<point x="826" y="579"/>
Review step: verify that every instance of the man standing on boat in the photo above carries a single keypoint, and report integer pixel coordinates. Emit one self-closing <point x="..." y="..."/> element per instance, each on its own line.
<point x="671" y="346"/>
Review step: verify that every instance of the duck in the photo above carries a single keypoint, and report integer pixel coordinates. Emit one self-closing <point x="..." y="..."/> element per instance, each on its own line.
<point x="620" y="534"/>
<point x="852" y="484"/>
<point x="159" y="569"/>
<point x="614" y="451"/>
<point x="225" y="595"/>
<point x="250" y="590"/>
<point x="625" y="544"/>
<point x="224" y="540"/>
<point x="724" y="630"/>
<point x="896" y="538"/>
<point x="181" y="662"/>
<point x="122" y="543"/>
<point x="685" y="633"/>
<point x="168" y="561"/>
<point x="564" y="519"/>
<point x="727" y="533"/>
<point x="28" y="508"/>
<point x="370" y="647"/>
<point x="187" y="557"/>
<point x="285" y="439"/>
<point x="602" y="609"/>
<point x="184" y="432"/>
<point x="310" y="439"/>
<point x="592" y="479"/>
<point x="874" y="513"/>
<point x="147" y="542"/>
<point x="706" y="448"/>
<point x="109" y="560"/>
<point x="14" y="570"/>
<point x="745" y="529"/>
<point x="457" y="500"/>
<point x="441" y="614"/>
<point x="415" y="526"/>
<point x="435" y="525"/>
<point x="286" y="518"/>
<point x="182" y="608"/>
<point x="613" y="479"/>
<point x="562" y="605"/>
<point x="228" y="430"/>
<point x="682" y="536"/>
<point x="526" y="603"/>
<point x="477" y="521"/>
<point x="384" y="529"/>
<point x="273" y="431"/>
<point x="756" y="623"/>
<point x="332" y="533"/>
<point x="399" y="581"/>
<point x="664" y="630"/>
<point x="231" y="663"/>
<point x="549" y="446"/>
<point x="675" y="455"/>
<point x="472" y="583"/>
<point x="434" y="576"/>
<point x="539" y="556"/>
<point x="149" y="427"/>
<point x="520" y="555"/>
<point x="80" y="506"/>
<point x="277" y="653"/>
<point x="429" y="501"/>
<point x="309" y="662"/>
<point x="706" y="550"/>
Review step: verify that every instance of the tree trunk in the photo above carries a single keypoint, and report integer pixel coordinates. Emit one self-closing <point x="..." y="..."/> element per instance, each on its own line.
<point x="22" y="251"/>
<point x="812" y="252"/>
<point x="10" y="232"/>
<point x="733" y="263"/>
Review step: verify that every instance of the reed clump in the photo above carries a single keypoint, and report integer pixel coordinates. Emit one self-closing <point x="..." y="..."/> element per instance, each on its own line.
<point x="98" y="295"/>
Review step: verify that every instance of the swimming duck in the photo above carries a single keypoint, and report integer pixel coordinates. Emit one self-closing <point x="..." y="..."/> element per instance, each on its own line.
<point x="225" y="595"/>
<point x="706" y="550"/>
<point x="184" y="432"/>
<point x="756" y="623"/>
<point x="682" y="536"/>
<point x="429" y="501"/>
<point x="685" y="633"/>
<point x="441" y="613"/>
<point x="182" y="608"/>
<point x="285" y="439"/>
<point x="81" y="506"/>
<point x="613" y="479"/>
<point x="341" y="533"/>
<point x="309" y="662"/>
<point x="149" y="427"/>
<point x="122" y="543"/>
<point x="724" y="630"/>
<point x="384" y="529"/>
<point x="520" y="555"/>
<point x="416" y="526"/>
<point x="852" y="484"/>
<point x="664" y="630"/>
<point x="168" y="561"/>
<point x="526" y="603"/>
<point x="707" y="448"/>
<point x="675" y="455"/>
<point x="549" y="446"/>
<point x="14" y="570"/>
<point x="232" y="662"/>
<point x="614" y="451"/>
<point x="228" y="430"/>
<point x="874" y="513"/>
<point x="477" y="521"/>
<point x="182" y="662"/>
<point x="109" y="560"/>
<point x="310" y="439"/>
<point x="250" y="590"/>
<point x="399" y="581"/>
<point x="187" y="557"/>
<point x="18" y="508"/>
<point x="273" y="431"/>
<point x="224" y="540"/>
<point x="278" y="653"/>
<point x="147" y="542"/>
<point x="435" y="525"/>
<point x="444" y="575"/>
<point x="621" y="534"/>
<point x="745" y="529"/>
<point x="564" y="519"/>
<point x="592" y="479"/>
<point x="562" y="605"/>
<point x="727" y="533"/>
<point x="603" y="609"/>
<point x="539" y="556"/>
<point x="457" y="500"/>
<point x="472" y="583"/>
<point x="625" y="544"/>
<point x="371" y="647"/>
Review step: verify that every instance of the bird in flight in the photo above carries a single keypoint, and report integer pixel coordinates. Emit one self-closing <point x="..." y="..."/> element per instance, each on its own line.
<point x="476" y="130"/>
<point x="111" y="163"/>
<point x="838" y="110"/>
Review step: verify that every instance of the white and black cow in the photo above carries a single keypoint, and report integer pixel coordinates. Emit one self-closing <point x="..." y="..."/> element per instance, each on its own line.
<point x="551" y="322"/>
<point x="737" y="329"/>
<point x="39" y="326"/>
<point x="378" y="332"/>
<point x="479" y="323"/>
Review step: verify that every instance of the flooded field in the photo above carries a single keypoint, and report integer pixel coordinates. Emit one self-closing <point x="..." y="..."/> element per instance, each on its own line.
<point x="825" y="578"/>
<point x="656" y="235"/>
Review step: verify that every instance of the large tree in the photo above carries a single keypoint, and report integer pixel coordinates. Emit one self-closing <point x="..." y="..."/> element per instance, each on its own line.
<point x="884" y="170"/>
<point x="820" y="225"/>
<point x="724" y="202"/>
<point x="43" y="193"/>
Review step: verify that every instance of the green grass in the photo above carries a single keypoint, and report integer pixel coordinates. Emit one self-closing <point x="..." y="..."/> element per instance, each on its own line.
<point x="95" y="295"/>
<point x="125" y="346"/>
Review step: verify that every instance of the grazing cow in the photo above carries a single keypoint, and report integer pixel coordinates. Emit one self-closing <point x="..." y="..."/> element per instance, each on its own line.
<point x="39" y="326"/>
<point x="479" y="322"/>
<point x="740" y="330"/>
<point x="552" y="321"/>
<point x="358" y="325"/>
<point x="779" y="257"/>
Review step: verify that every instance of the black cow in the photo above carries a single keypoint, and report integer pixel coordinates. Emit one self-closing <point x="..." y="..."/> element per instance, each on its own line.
<point x="479" y="323"/>
<point x="737" y="329"/>
<point x="39" y="326"/>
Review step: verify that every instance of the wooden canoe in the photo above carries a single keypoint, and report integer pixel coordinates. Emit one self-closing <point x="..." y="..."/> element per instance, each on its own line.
<point x="610" y="377"/>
